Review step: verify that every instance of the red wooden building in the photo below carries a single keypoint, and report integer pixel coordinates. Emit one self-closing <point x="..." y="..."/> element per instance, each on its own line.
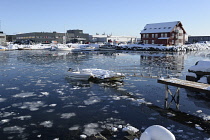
<point x="166" y="33"/>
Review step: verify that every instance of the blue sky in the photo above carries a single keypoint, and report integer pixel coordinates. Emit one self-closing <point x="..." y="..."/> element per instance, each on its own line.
<point x="119" y="17"/>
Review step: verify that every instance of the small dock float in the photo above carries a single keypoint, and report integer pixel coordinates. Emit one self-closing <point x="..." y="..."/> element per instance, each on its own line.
<point x="194" y="86"/>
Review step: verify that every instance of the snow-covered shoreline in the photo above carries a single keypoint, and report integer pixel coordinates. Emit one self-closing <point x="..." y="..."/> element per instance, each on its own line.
<point x="189" y="47"/>
<point x="136" y="47"/>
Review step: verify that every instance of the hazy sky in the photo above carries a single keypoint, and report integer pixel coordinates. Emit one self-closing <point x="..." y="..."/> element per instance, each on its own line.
<point x="119" y="17"/>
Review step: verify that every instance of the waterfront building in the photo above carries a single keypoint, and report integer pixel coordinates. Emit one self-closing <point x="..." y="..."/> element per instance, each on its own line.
<point x="114" y="39"/>
<point x="40" y="37"/>
<point x="166" y="33"/>
<point x="10" y="38"/>
<point x="2" y="38"/>
<point x="195" y="39"/>
<point x="71" y="36"/>
<point x="77" y="36"/>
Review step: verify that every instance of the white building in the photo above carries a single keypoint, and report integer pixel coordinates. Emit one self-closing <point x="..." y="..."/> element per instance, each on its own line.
<point x="2" y="38"/>
<point x="111" y="38"/>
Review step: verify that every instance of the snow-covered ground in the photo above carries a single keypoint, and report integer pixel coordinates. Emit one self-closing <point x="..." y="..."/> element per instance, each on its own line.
<point x="190" y="47"/>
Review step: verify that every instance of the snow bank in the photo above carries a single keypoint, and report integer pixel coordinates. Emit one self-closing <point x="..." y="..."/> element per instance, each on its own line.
<point x="190" y="47"/>
<point x="203" y="66"/>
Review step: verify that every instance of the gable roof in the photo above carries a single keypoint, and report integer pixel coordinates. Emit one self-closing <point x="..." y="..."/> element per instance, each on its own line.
<point x="160" y="27"/>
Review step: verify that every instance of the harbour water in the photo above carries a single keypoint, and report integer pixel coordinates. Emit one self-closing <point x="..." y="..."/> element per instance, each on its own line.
<point x="39" y="101"/>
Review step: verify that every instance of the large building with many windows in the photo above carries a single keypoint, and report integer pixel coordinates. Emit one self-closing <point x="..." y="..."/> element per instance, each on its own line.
<point x="71" y="36"/>
<point x="166" y="33"/>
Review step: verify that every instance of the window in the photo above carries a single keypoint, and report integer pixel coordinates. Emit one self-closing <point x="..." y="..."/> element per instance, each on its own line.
<point x="172" y="42"/>
<point x="143" y="35"/>
<point x="146" y="41"/>
<point x="172" y="35"/>
<point x="153" y="41"/>
<point x="162" y="35"/>
<point x="147" y="35"/>
<point x="166" y="35"/>
<point x="156" y="35"/>
<point x="153" y="35"/>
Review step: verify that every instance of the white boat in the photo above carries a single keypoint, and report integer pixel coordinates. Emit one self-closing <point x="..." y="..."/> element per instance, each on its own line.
<point x="107" y="48"/>
<point x="89" y="47"/>
<point x="64" y="47"/>
<point x="61" y="47"/>
<point x="95" y="74"/>
<point x="2" y="48"/>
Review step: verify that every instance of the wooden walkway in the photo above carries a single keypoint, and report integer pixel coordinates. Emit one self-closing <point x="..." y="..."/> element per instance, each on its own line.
<point x="194" y="86"/>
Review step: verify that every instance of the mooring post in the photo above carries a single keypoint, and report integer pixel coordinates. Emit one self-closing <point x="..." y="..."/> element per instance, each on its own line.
<point x="166" y="97"/>
<point x="177" y="98"/>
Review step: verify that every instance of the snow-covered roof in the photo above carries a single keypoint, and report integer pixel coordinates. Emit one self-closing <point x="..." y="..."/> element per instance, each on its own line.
<point x="160" y="27"/>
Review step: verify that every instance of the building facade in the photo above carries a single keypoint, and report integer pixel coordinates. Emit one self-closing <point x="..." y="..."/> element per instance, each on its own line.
<point x="113" y="39"/>
<point x="2" y="38"/>
<point x="71" y="36"/>
<point x="77" y="36"/>
<point x="195" y="39"/>
<point x="40" y="37"/>
<point x="166" y="33"/>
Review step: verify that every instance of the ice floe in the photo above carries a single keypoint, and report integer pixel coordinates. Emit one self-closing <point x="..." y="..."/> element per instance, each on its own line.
<point x="130" y="129"/>
<point x="91" y="128"/>
<point x="24" y="95"/>
<point x="13" y="129"/>
<point x="47" y="123"/>
<point x="2" y="100"/>
<point x="92" y="100"/>
<point x="67" y="115"/>
<point x="75" y="127"/>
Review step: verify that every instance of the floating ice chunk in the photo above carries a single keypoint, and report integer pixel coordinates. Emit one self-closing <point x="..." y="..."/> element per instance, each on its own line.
<point x="116" y="98"/>
<point x="130" y="129"/>
<point x="17" y="88"/>
<point x="92" y="128"/>
<point x="204" y="116"/>
<point x="92" y="100"/>
<point x="24" y="95"/>
<point x="52" y="105"/>
<point x="2" y="100"/>
<point x="114" y="129"/>
<point x="67" y="115"/>
<point x="141" y="101"/>
<point x="13" y="129"/>
<point x="198" y="127"/>
<point x="45" y="93"/>
<point x="120" y="126"/>
<point x="22" y="117"/>
<point x="4" y="121"/>
<point x="76" y="127"/>
<point x="83" y="136"/>
<point x="199" y="111"/>
<point x="32" y="106"/>
<point x="47" y="124"/>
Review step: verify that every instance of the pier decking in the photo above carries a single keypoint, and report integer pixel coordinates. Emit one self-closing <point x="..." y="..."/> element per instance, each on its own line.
<point x="195" y="86"/>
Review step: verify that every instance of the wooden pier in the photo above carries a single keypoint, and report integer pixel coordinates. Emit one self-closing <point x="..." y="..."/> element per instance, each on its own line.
<point x="194" y="86"/>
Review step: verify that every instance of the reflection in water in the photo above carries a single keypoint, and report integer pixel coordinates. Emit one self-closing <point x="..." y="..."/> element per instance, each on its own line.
<point x="37" y="97"/>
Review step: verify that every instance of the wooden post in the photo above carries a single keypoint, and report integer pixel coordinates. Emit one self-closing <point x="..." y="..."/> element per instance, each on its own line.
<point x="177" y="98"/>
<point x="166" y="97"/>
